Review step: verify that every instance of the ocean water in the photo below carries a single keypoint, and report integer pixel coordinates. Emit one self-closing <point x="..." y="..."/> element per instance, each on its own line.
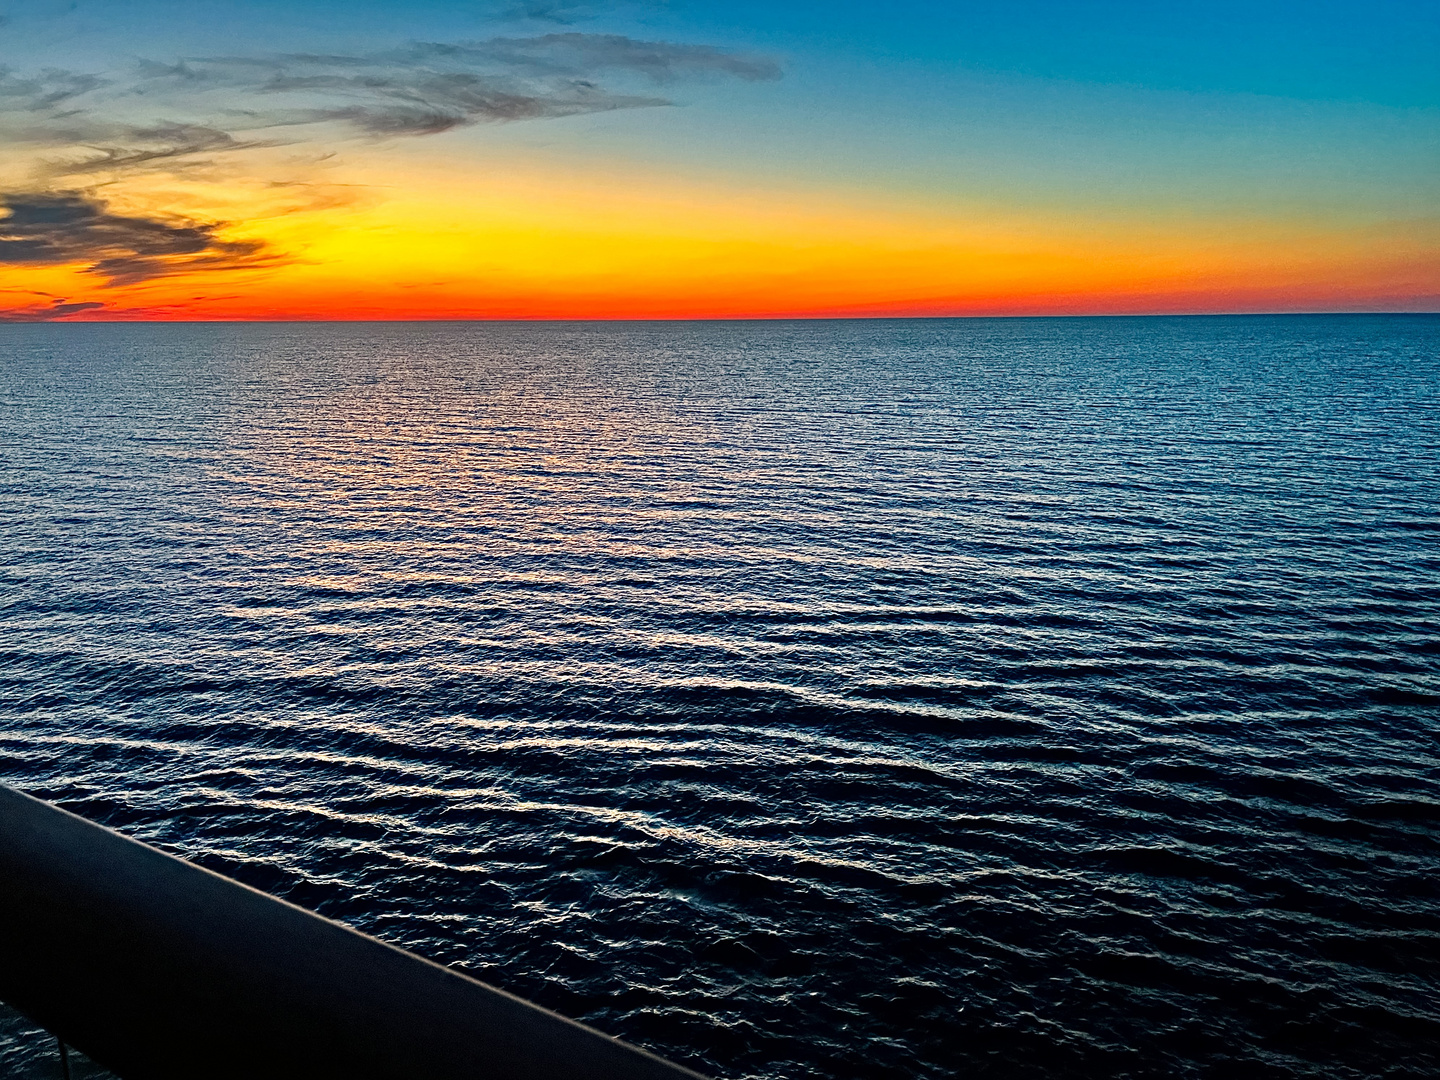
<point x="989" y="698"/>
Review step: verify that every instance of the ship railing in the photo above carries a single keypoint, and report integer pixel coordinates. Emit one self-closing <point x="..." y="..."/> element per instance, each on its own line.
<point x="158" y="969"/>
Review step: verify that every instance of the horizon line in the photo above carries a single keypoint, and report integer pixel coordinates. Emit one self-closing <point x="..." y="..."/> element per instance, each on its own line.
<point x="732" y="318"/>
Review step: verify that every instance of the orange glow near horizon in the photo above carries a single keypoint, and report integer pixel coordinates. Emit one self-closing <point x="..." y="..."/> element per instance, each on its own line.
<point x="397" y="162"/>
<point x="531" y="245"/>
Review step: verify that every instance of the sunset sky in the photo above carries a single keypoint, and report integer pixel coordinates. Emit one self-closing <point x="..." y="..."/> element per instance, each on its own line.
<point x="558" y="159"/>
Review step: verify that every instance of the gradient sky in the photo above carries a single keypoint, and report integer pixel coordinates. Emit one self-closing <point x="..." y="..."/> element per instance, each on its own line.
<point x="562" y="159"/>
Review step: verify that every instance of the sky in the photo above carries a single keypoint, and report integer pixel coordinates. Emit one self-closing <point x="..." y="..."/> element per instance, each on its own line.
<point x="694" y="159"/>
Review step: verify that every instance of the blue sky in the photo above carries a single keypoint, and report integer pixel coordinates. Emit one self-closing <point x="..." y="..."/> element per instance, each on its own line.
<point x="1381" y="52"/>
<point x="1230" y="116"/>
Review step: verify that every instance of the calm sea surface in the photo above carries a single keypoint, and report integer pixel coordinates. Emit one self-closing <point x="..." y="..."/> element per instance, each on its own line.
<point x="1013" y="698"/>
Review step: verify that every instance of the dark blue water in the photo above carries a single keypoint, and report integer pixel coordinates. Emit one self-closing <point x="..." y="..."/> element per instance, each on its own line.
<point x="1053" y="698"/>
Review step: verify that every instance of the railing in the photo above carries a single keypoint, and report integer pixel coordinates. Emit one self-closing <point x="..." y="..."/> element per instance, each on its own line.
<point x="158" y="969"/>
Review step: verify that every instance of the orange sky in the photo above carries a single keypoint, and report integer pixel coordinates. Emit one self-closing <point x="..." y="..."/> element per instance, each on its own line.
<point x="788" y="184"/>
<point x="537" y="245"/>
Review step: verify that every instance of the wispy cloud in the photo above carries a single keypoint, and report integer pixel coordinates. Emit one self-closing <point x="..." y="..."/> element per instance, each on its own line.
<point x="68" y="228"/>
<point x="585" y="56"/>
<point x="46" y="92"/>
<point x="424" y="88"/>
<point x="82" y="132"/>
<point x="223" y="104"/>
<point x="113" y="148"/>
<point x="563" y="12"/>
<point x="568" y="12"/>
<point x="384" y="96"/>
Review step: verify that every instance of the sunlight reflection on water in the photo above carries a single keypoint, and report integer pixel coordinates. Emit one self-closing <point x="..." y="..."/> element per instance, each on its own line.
<point x="893" y="699"/>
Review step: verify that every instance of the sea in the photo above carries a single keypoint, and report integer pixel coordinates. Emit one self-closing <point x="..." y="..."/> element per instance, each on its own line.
<point x="1012" y="698"/>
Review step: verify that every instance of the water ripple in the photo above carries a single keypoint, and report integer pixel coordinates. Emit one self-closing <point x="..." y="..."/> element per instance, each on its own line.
<point x="1010" y="698"/>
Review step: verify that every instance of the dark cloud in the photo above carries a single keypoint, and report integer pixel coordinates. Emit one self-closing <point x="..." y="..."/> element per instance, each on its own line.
<point x="58" y="308"/>
<point x="65" y="228"/>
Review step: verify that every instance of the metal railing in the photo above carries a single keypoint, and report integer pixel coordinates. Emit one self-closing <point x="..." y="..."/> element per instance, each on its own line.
<point x="156" y="969"/>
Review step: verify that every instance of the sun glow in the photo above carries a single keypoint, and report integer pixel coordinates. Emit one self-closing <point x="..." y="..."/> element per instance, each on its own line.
<point x="541" y="176"/>
<point x="437" y="243"/>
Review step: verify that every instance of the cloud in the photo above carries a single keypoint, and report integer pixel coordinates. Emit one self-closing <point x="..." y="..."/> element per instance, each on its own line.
<point x="220" y="105"/>
<point x="585" y="56"/>
<point x="388" y="101"/>
<point x="66" y="228"/>
<point x="224" y="104"/>
<point x="44" y="92"/>
<point x="74" y="130"/>
<point x="561" y="11"/>
<point x="425" y="88"/>
<point x="58" y="308"/>
<point x="129" y="147"/>
<point x="568" y="12"/>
